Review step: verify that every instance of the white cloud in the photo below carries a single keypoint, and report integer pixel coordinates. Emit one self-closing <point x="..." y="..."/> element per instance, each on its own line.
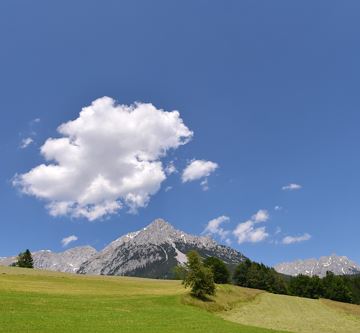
<point x="107" y="158"/>
<point x="198" y="169"/>
<point x="204" y="184"/>
<point x="261" y="216"/>
<point x="297" y="239"/>
<point x="291" y="187"/>
<point x="214" y="227"/>
<point x="168" y="188"/>
<point x="67" y="240"/>
<point x="277" y="208"/>
<point x="170" y="168"/>
<point x="248" y="232"/>
<point x="26" y="142"/>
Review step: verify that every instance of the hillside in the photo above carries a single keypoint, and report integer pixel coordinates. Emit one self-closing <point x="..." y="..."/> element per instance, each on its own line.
<point x="297" y="314"/>
<point x="42" y="301"/>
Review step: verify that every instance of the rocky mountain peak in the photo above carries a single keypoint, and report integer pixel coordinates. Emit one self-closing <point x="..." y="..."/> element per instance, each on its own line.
<point x="160" y="225"/>
<point x="154" y="251"/>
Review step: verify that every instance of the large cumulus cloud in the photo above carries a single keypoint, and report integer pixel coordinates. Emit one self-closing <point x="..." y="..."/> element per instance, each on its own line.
<point x="107" y="158"/>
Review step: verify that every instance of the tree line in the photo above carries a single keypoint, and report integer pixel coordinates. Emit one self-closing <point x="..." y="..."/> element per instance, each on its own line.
<point x="202" y="275"/>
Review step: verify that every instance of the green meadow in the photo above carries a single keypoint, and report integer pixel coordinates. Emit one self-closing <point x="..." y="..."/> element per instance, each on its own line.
<point x="40" y="301"/>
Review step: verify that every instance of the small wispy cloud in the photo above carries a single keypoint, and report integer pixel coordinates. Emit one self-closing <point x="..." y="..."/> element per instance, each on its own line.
<point x="204" y="185"/>
<point x="26" y="142"/>
<point x="67" y="240"/>
<point x="291" y="187"/>
<point x="168" y="188"/>
<point x="214" y="227"/>
<point x="296" y="239"/>
<point x="170" y="168"/>
<point x="261" y="216"/>
<point x="249" y="232"/>
<point x="277" y="208"/>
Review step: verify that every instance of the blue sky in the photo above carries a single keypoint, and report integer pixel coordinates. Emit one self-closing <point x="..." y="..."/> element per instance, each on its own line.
<point x="269" y="90"/>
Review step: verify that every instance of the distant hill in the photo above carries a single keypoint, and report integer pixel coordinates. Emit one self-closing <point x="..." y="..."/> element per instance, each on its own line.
<point x="339" y="265"/>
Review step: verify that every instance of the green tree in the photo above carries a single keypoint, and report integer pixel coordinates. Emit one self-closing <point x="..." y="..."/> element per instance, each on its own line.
<point x="25" y="260"/>
<point x="241" y="273"/>
<point x="254" y="275"/>
<point x="198" y="277"/>
<point x="336" y="288"/>
<point x="220" y="271"/>
<point x="306" y="286"/>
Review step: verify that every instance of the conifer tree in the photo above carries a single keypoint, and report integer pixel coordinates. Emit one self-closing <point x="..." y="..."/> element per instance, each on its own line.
<point x="25" y="260"/>
<point x="198" y="277"/>
<point x="219" y="269"/>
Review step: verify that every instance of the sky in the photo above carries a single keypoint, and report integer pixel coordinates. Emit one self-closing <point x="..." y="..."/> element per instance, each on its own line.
<point x="234" y="119"/>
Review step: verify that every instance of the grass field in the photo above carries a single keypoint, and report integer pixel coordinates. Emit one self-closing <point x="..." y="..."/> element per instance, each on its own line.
<point x="39" y="301"/>
<point x="297" y="314"/>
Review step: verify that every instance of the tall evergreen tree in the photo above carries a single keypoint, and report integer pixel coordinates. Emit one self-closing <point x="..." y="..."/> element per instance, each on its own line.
<point x="220" y="271"/>
<point x="336" y="288"/>
<point x="25" y="260"/>
<point x="198" y="277"/>
<point x="241" y="273"/>
<point x="254" y="275"/>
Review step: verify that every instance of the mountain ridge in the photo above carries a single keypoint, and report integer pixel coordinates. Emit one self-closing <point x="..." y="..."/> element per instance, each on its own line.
<point x="67" y="261"/>
<point x="339" y="265"/>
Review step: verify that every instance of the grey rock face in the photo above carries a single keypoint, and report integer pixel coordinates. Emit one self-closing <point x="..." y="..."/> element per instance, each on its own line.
<point x="339" y="265"/>
<point x="7" y="261"/>
<point x="153" y="252"/>
<point x="67" y="261"/>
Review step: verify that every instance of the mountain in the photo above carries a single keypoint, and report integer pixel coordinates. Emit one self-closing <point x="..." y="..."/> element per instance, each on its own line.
<point x="151" y="252"/>
<point x="336" y="264"/>
<point x="67" y="261"/>
<point x="154" y="251"/>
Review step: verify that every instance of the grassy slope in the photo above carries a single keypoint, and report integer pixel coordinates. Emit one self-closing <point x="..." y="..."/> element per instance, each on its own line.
<point x="39" y="301"/>
<point x="297" y="314"/>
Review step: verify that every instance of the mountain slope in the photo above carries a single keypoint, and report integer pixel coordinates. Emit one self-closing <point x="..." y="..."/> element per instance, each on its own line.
<point x="67" y="261"/>
<point x="154" y="252"/>
<point x="339" y="265"/>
